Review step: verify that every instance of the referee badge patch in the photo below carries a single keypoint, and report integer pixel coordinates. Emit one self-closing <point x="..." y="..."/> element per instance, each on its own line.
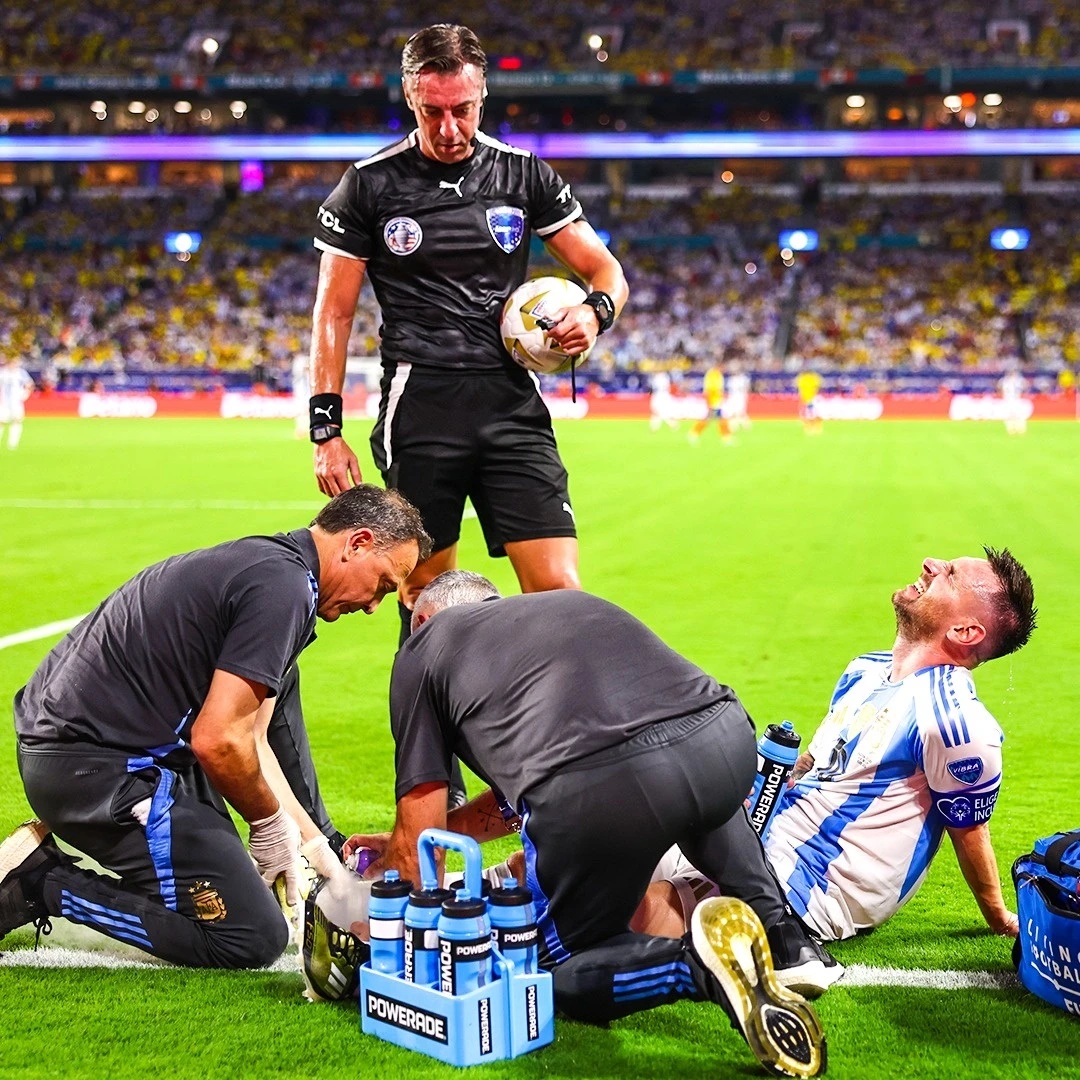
<point x="507" y="226"/>
<point x="403" y="235"/>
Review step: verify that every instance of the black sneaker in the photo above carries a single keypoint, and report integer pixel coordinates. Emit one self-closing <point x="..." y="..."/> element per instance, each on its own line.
<point x="25" y="856"/>
<point x="781" y="1029"/>
<point x="801" y="962"/>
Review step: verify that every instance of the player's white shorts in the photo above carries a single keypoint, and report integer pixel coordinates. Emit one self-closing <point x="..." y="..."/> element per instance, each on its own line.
<point x="690" y="885"/>
<point x="12" y="414"/>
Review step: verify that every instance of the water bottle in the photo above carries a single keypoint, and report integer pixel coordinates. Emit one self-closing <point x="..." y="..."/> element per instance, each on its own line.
<point x="777" y="751"/>
<point x="513" y="925"/>
<point x="386" y="922"/>
<point x="422" y="935"/>
<point x="464" y="946"/>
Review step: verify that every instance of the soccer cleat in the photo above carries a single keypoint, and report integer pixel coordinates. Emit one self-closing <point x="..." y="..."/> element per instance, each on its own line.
<point x="330" y="956"/>
<point x="25" y="856"/>
<point x="781" y="1029"/>
<point x="800" y="960"/>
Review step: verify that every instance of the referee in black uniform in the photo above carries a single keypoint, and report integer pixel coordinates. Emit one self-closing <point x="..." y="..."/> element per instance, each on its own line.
<point x="441" y="222"/>
<point x="149" y="715"/>
<point x="611" y="747"/>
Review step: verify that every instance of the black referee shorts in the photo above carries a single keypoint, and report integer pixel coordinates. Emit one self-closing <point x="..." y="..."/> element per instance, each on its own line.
<point x="444" y="437"/>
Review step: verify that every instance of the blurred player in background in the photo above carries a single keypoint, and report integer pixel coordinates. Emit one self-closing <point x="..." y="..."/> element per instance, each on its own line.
<point x="151" y="714"/>
<point x="906" y="753"/>
<point x="15" y="387"/>
<point x="301" y="392"/>
<point x="737" y="399"/>
<point x="808" y="386"/>
<point x="608" y="745"/>
<point x="440" y="222"/>
<point x="1012" y="387"/>
<point x="661" y="402"/>
<point x="713" y="392"/>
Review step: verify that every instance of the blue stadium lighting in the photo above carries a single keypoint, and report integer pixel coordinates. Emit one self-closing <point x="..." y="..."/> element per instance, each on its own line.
<point x="1010" y="239"/>
<point x="182" y="243"/>
<point x="684" y="144"/>
<point x="799" y="239"/>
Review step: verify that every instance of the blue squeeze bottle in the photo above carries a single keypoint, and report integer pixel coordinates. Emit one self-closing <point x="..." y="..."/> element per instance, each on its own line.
<point x="464" y="946"/>
<point x="422" y="935"/>
<point x="386" y="922"/>
<point x="513" y="925"/>
<point x="778" y="750"/>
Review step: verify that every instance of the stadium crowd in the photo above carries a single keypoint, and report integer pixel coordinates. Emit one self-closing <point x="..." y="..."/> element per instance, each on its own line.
<point x="904" y="281"/>
<point x="275" y="36"/>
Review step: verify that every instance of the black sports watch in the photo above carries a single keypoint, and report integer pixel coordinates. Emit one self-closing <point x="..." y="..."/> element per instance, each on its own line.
<point x="325" y="432"/>
<point x="604" y="307"/>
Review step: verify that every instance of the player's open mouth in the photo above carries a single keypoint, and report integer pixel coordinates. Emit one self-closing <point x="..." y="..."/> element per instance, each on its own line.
<point x="918" y="586"/>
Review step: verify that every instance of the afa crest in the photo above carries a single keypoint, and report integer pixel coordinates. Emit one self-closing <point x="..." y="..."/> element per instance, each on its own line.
<point x="209" y="906"/>
<point x="506" y="225"/>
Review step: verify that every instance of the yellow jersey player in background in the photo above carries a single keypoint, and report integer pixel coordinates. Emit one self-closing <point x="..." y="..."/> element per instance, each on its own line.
<point x="808" y="385"/>
<point x="713" y="391"/>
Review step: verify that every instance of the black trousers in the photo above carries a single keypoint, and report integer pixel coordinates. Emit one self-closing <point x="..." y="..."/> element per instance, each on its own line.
<point x="186" y="889"/>
<point x="288" y="738"/>
<point x="593" y="835"/>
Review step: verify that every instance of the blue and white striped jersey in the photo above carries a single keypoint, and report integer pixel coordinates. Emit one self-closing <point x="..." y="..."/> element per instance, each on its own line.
<point x="895" y="764"/>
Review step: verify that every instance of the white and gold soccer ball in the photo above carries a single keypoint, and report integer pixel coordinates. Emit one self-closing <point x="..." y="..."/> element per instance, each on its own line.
<point x="527" y="316"/>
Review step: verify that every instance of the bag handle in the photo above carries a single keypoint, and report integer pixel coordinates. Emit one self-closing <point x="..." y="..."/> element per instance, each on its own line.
<point x="1056" y="850"/>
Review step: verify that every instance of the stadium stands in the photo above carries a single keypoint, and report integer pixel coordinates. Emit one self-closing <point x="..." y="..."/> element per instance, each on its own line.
<point x="278" y="35"/>
<point x="900" y="282"/>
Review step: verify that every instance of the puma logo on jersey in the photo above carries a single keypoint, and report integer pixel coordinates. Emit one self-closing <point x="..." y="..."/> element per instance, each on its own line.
<point x="320" y="409"/>
<point x="564" y="195"/>
<point x="567" y="507"/>
<point x="455" y="186"/>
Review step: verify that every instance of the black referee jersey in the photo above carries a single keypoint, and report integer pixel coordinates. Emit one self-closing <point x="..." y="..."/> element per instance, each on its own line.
<point x="445" y="245"/>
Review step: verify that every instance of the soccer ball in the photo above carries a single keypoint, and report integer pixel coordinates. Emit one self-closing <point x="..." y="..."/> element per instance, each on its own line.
<point x="526" y="311"/>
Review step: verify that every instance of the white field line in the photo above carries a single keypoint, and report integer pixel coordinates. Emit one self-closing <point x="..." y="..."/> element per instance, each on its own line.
<point x="168" y="504"/>
<point x="157" y="504"/>
<point x="856" y="974"/>
<point x="53" y="629"/>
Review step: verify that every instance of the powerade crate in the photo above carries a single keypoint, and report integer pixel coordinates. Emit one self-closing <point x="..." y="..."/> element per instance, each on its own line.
<point x="509" y="1016"/>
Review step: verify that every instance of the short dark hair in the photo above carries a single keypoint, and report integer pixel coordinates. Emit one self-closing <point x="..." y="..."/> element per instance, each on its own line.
<point x="444" y="48"/>
<point x="387" y="513"/>
<point x="1013" y="604"/>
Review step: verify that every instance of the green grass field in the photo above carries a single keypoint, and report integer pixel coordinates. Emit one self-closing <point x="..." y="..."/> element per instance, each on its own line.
<point x="770" y="563"/>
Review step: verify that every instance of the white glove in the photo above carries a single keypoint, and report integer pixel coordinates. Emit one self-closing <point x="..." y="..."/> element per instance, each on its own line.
<point x="274" y="843"/>
<point x="320" y="855"/>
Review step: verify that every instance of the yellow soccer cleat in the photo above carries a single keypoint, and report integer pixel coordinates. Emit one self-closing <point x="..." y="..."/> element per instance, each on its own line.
<point x="780" y="1027"/>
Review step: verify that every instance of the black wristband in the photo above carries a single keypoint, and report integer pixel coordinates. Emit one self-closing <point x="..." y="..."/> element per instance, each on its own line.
<point x="604" y="307"/>
<point x="324" y="410"/>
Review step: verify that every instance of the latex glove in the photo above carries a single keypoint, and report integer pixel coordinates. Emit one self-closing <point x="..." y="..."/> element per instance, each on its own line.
<point x="274" y="843"/>
<point x="320" y="855"/>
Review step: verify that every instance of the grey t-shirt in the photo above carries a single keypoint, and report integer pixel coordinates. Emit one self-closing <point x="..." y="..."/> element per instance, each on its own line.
<point x="133" y="674"/>
<point x="523" y="686"/>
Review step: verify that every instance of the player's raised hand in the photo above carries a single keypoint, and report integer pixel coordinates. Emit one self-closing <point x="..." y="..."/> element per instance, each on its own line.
<point x="336" y="467"/>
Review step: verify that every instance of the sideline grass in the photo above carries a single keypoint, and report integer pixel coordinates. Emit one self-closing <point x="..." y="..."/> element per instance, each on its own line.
<point x="770" y="563"/>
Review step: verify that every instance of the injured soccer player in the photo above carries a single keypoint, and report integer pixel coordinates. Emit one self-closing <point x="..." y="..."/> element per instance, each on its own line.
<point x="906" y="754"/>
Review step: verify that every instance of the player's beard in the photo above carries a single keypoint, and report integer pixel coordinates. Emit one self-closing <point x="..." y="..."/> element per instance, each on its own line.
<point x="915" y="619"/>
